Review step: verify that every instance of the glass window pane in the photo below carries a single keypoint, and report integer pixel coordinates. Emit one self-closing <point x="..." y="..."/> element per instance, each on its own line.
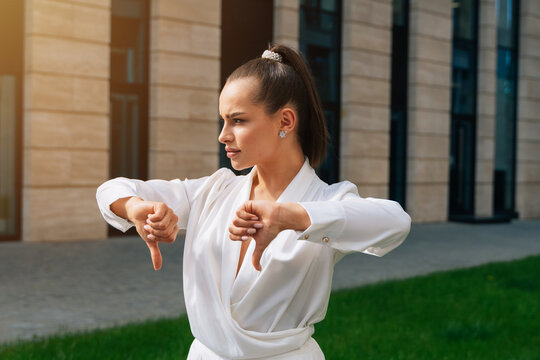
<point x="8" y="137"/>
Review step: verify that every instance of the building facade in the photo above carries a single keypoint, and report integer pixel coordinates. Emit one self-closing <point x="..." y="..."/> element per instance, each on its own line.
<point x="433" y="103"/>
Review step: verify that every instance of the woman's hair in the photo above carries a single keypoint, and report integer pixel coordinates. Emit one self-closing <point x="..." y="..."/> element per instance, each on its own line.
<point x="290" y="82"/>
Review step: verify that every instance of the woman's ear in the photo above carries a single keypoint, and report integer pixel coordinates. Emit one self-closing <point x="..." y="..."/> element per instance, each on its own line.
<point x="288" y="119"/>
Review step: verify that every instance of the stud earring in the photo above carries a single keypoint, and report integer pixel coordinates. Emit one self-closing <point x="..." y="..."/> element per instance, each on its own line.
<point x="282" y="134"/>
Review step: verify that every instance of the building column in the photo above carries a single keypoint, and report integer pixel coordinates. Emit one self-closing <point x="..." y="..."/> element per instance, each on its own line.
<point x="485" y="109"/>
<point x="184" y="88"/>
<point x="66" y="118"/>
<point x="528" y="110"/>
<point x="430" y="64"/>
<point x="287" y="22"/>
<point x="365" y="95"/>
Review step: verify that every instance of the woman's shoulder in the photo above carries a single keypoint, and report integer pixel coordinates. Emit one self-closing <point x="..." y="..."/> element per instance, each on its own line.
<point x="336" y="190"/>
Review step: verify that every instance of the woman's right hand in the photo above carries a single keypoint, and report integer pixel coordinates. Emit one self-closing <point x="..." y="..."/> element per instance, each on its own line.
<point x="155" y="222"/>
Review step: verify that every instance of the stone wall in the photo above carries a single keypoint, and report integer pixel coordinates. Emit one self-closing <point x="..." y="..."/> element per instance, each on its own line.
<point x="287" y="22"/>
<point x="184" y="88"/>
<point x="66" y="118"/>
<point x="365" y="95"/>
<point x="430" y="45"/>
<point x="528" y="126"/>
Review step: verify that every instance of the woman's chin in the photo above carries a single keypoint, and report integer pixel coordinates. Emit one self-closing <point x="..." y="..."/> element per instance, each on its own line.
<point x="239" y="166"/>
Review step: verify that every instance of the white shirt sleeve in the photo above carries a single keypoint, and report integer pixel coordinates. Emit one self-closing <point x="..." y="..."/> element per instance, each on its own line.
<point x="176" y="194"/>
<point x="350" y="223"/>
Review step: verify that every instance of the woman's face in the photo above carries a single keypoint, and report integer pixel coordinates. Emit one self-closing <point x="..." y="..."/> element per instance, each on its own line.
<point x="249" y="134"/>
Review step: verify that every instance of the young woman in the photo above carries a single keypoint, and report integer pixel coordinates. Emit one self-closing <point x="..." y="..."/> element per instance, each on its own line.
<point x="291" y="225"/>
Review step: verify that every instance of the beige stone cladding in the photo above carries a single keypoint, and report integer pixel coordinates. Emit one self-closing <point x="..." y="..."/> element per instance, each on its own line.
<point x="365" y="95"/>
<point x="66" y="118"/>
<point x="184" y="87"/>
<point x="528" y="126"/>
<point x="287" y="22"/>
<point x="430" y="41"/>
<point x="485" y="109"/>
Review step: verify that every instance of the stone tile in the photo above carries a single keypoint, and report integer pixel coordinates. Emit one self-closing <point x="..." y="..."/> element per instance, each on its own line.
<point x="46" y="129"/>
<point x="528" y="109"/>
<point x="429" y="98"/>
<point x="485" y="148"/>
<point x="430" y="24"/>
<point x="294" y="4"/>
<point x="68" y="57"/>
<point x="367" y="37"/>
<point x="486" y="104"/>
<point x="365" y="144"/>
<point x="427" y="202"/>
<point x="529" y="130"/>
<point x="48" y="210"/>
<point x="381" y="14"/>
<point x="89" y="167"/>
<point x="92" y="24"/>
<point x="200" y="11"/>
<point x="94" y="3"/>
<point x="365" y="117"/>
<point x="365" y="171"/>
<point x="180" y="135"/>
<point x="428" y="146"/>
<point x="204" y="104"/>
<point x="366" y="91"/>
<point x="429" y="122"/>
<point x="169" y="102"/>
<point x="366" y="64"/>
<point x="486" y="126"/>
<point x="528" y="200"/>
<point x="427" y="171"/>
<point x="205" y="165"/>
<point x="483" y="202"/>
<point x="529" y="66"/>
<point x="528" y="172"/>
<point x="183" y="37"/>
<point x="90" y="95"/>
<point x="528" y="150"/>
<point x="161" y="165"/>
<point x="183" y="70"/>
<point x="426" y="73"/>
<point x="286" y="23"/>
<point x="487" y="38"/>
<point x="50" y="17"/>
<point x="530" y="7"/>
<point x="487" y="59"/>
<point x="437" y="6"/>
<point x="426" y="48"/>
<point x="530" y="25"/>
<point x="373" y="191"/>
<point x="484" y="171"/>
<point x="487" y="81"/>
<point x="357" y="10"/>
<point x="46" y="167"/>
<point x="487" y="15"/>
<point x="529" y="88"/>
<point x="48" y="92"/>
<point x="530" y="45"/>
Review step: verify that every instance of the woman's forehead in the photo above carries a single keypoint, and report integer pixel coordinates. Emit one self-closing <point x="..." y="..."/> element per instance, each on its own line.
<point x="237" y="95"/>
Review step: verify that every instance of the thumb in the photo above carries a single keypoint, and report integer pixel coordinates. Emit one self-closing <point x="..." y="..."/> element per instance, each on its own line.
<point x="155" y="254"/>
<point x="256" y="258"/>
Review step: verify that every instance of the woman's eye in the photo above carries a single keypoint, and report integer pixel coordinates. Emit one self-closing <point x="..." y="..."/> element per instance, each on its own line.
<point x="237" y="121"/>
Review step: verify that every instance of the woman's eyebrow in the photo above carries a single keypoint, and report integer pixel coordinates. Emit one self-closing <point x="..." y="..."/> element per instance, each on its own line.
<point x="234" y="114"/>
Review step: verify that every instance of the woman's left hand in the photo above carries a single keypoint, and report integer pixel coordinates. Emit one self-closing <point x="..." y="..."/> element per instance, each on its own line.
<point x="258" y="219"/>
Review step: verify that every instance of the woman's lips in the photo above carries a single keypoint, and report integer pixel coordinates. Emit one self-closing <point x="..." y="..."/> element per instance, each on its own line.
<point x="232" y="153"/>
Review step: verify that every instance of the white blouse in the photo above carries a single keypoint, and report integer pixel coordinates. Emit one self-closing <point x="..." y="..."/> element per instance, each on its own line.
<point x="262" y="314"/>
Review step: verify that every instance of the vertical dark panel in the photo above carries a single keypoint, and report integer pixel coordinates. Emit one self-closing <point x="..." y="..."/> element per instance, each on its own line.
<point x="506" y="100"/>
<point x="463" y="112"/>
<point x="129" y="90"/>
<point x="398" y="120"/>
<point x="246" y="31"/>
<point x="320" y="42"/>
<point x="11" y="82"/>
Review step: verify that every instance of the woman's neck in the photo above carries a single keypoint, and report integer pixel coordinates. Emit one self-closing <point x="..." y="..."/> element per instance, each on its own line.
<point x="271" y="179"/>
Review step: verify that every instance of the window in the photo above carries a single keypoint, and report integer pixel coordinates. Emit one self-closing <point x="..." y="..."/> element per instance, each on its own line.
<point x="129" y="88"/>
<point x="505" y="119"/>
<point x="398" y="113"/>
<point x="320" y="42"/>
<point x="463" y="112"/>
<point x="11" y="73"/>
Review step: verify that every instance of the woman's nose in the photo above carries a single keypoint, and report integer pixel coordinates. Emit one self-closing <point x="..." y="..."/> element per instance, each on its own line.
<point x="225" y="135"/>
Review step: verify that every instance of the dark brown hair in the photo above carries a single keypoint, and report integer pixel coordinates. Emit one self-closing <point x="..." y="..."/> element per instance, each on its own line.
<point x="290" y="82"/>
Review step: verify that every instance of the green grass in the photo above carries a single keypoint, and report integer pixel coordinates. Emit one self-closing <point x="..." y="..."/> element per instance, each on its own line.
<point x="487" y="312"/>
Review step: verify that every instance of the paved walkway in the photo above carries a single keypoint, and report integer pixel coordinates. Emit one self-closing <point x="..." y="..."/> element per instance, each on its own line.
<point x="48" y="288"/>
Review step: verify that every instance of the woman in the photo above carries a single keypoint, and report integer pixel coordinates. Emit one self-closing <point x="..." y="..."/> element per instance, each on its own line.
<point x="293" y="226"/>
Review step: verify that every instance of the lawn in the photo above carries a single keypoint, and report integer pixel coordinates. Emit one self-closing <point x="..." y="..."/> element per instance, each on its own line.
<point x="486" y="312"/>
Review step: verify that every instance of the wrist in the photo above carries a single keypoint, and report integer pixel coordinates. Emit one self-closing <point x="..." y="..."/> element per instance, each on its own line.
<point x="129" y="205"/>
<point x="293" y="216"/>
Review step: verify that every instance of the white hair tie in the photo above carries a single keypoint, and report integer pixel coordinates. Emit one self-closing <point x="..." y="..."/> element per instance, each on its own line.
<point x="267" y="54"/>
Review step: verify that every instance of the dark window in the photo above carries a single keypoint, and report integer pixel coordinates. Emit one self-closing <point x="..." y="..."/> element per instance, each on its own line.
<point x="320" y="42"/>
<point x="398" y="120"/>
<point x="11" y="73"/>
<point x="505" y="129"/>
<point x="246" y="31"/>
<point x="463" y="112"/>
<point x="129" y="90"/>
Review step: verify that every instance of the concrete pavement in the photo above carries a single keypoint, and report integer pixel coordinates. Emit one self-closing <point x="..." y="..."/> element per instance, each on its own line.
<point x="47" y="288"/>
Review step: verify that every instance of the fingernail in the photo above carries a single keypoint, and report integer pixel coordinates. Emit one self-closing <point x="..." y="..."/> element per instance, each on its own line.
<point x="254" y="218"/>
<point x="245" y="237"/>
<point x="147" y="227"/>
<point x="258" y="225"/>
<point x="251" y="231"/>
<point x="151" y="237"/>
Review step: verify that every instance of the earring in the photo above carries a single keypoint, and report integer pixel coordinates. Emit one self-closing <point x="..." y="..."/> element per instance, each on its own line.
<point x="282" y="134"/>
